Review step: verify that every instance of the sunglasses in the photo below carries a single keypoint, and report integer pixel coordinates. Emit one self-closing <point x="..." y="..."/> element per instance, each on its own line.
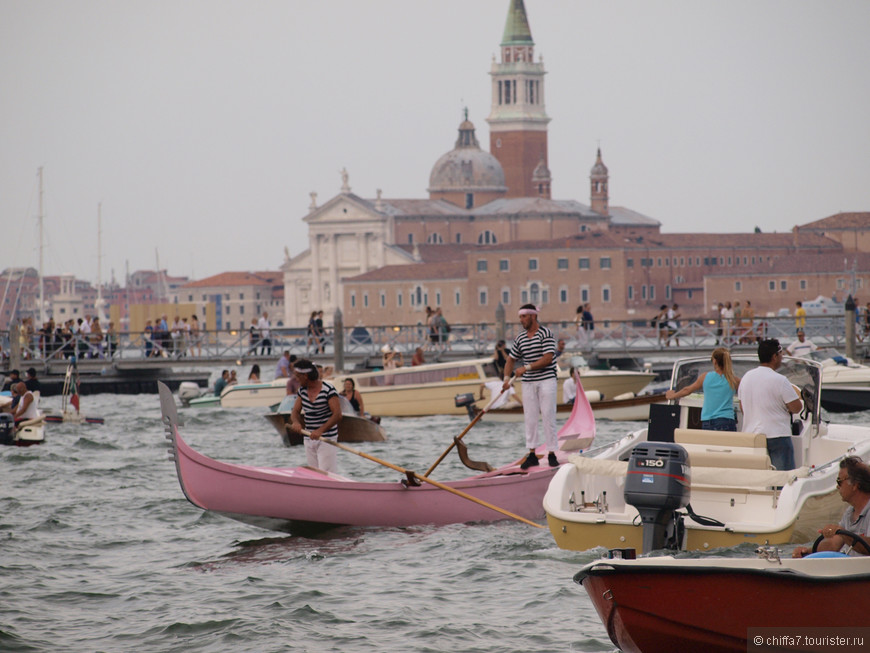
<point x="840" y="481"/>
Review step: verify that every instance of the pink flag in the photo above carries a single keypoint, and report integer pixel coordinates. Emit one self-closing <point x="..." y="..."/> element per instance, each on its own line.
<point x="579" y="431"/>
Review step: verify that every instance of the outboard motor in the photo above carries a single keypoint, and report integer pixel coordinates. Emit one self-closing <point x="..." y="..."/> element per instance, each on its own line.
<point x="657" y="484"/>
<point x="466" y="400"/>
<point x="7" y="428"/>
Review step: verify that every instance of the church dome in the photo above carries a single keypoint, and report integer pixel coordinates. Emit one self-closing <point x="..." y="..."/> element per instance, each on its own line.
<point x="599" y="169"/>
<point x="467" y="168"/>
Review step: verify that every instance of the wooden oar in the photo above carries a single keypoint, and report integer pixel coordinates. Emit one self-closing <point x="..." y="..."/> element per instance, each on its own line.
<point x="476" y="419"/>
<point x="413" y="475"/>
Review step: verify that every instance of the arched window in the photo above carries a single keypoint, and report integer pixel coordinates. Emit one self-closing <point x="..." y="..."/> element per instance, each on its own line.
<point x="534" y="293"/>
<point x="434" y="239"/>
<point x="486" y="238"/>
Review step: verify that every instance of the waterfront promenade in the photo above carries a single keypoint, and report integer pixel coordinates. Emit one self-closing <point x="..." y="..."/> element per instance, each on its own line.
<point x="349" y="347"/>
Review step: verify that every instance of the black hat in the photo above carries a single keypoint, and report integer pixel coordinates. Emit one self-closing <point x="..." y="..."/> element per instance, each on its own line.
<point x="31" y="371"/>
<point x="15" y="372"/>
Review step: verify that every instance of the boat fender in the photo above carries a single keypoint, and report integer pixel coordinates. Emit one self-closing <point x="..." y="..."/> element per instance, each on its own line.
<point x="594" y="395"/>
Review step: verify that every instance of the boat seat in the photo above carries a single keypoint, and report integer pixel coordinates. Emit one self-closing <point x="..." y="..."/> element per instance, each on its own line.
<point x="728" y="458"/>
<point x="36" y="421"/>
<point x="720" y="438"/>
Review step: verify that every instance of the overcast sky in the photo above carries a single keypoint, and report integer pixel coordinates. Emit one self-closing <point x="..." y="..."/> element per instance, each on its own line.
<point x="202" y="126"/>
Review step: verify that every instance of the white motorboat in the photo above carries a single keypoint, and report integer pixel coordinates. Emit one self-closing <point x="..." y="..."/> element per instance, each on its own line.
<point x="734" y="495"/>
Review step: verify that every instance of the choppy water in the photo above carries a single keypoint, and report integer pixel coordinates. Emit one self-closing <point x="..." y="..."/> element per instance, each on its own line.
<point x="100" y="551"/>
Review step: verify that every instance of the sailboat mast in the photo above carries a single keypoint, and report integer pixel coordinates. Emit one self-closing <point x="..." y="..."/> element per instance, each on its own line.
<point x="41" y="282"/>
<point x="100" y="260"/>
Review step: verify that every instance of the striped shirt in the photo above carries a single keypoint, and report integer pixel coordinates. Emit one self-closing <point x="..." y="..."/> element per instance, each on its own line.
<point x="318" y="412"/>
<point x="528" y="350"/>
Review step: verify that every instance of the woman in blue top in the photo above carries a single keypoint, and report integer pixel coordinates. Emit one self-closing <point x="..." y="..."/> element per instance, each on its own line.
<point x="719" y="388"/>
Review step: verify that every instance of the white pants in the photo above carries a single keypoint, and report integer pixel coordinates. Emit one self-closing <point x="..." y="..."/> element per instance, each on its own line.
<point x="539" y="398"/>
<point x="321" y="455"/>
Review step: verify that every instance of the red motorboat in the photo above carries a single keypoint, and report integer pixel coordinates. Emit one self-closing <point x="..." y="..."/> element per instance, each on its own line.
<point x="668" y="604"/>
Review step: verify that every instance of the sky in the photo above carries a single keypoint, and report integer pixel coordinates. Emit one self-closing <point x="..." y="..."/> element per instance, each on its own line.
<point x="200" y="127"/>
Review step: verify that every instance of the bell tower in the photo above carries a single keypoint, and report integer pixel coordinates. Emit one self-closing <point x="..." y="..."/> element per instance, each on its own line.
<point x="598" y="178"/>
<point x="518" y="120"/>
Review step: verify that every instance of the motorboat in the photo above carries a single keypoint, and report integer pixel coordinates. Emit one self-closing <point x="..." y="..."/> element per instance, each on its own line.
<point x="624" y="408"/>
<point x="24" y="433"/>
<point x="239" y="395"/>
<point x="305" y="499"/>
<point x="845" y="383"/>
<point x="352" y="427"/>
<point x="430" y="389"/>
<point x="722" y="604"/>
<point x="735" y="496"/>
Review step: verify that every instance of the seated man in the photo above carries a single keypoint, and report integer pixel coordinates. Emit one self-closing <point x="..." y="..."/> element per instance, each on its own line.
<point x="853" y="484"/>
<point x="221" y="383"/>
<point x="27" y="407"/>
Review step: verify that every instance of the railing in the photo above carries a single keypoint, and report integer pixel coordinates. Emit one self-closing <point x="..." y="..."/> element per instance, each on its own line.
<point x="608" y="337"/>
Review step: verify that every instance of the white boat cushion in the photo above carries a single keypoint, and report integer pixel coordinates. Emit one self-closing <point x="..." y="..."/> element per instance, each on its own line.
<point x="720" y="438"/>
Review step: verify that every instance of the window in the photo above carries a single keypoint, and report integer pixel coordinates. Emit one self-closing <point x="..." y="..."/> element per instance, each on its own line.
<point x="524" y="297"/>
<point x="437" y="298"/>
<point x="652" y="292"/>
<point x="605" y="294"/>
<point x="457" y="297"/>
<point x="503" y="265"/>
<point x="682" y="262"/>
<point x="631" y="292"/>
<point x="738" y="286"/>
<point x="659" y="261"/>
<point x="697" y="260"/>
<point x="365" y="300"/>
<point x="533" y="264"/>
<point x="410" y="239"/>
<point x="605" y="262"/>
<point x="783" y="285"/>
<point x="668" y="292"/>
<point x="486" y="238"/>
<point x="434" y="239"/>
<point x="481" y="266"/>
<point x="534" y="293"/>
<point x="803" y="284"/>
<point x="744" y="260"/>
<point x="643" y="292"/>
<point x="771" y="285"/>
<point x="383" y="298"/>
<point x="399" y="298"/>
<point x="483" y="297"/>
<point x="242" y="309"/>
<point x="458" y="238"/>
<point x="469" y="200"/>
<point x="562" y="264"/>
<point x="584" y="294"/>
<point x="729" y="260"/>
<point x="563" y="295"/>
<point x="545" y="296"/>
<point x="190" y="298"/>
<point x="583" y="263"/>
<point x="629" y="262"/>
<point x="353" y="300"/>
<point x="241" y="295"/>
<point x="505" y="296"/>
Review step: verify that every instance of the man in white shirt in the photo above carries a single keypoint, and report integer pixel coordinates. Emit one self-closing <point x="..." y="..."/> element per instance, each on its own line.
<point x="767" y="400"/>
<point x="265" y="342"/>
<point x="801" y="347"/>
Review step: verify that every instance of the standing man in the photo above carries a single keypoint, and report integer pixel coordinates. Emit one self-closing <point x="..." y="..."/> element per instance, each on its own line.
<point x="322" y="408"/>
<point x="768" y="401"/>
<point x="801" y="348"/>
<point x="535" y="348"/>
<point x="800" y="316"/>
<point x="265" y="341"/>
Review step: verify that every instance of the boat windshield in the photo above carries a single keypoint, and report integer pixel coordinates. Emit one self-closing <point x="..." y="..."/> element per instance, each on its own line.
<point x="423" y="375"/>
<point x="829" y="354"/>
<point x="800" y="372"/>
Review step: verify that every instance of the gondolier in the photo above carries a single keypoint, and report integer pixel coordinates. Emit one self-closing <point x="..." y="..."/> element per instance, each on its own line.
<point x="320" y="404"/>
<point x="535" y="348"/>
